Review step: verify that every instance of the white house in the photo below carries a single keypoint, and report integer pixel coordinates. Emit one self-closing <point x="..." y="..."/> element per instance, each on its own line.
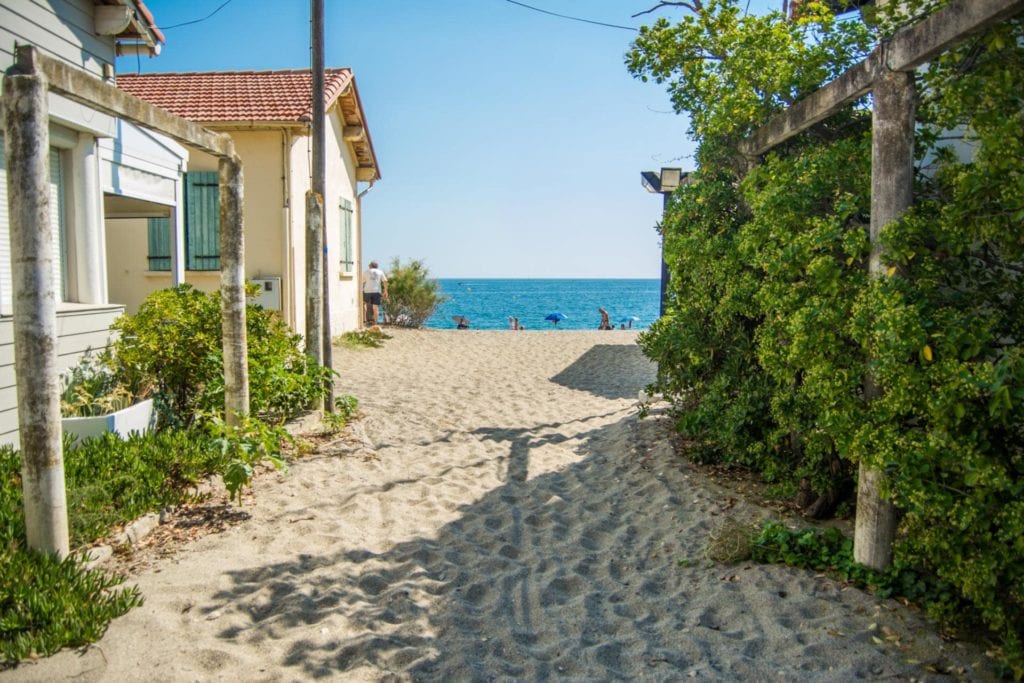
<point x="92" y="177"/>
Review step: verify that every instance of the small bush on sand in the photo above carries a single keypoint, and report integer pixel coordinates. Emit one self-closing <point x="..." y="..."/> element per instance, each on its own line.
<point x="412" y="295"/>
<point x="371" y="338"/>
<point x="730" y="543"/>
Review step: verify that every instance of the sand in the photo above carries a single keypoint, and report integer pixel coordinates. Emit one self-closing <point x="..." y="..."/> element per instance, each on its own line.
<point x="499" y="513"/>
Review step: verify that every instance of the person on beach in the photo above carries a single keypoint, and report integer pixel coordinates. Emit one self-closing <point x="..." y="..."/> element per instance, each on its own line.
<point x="375" y="290"/>
<point x="605" y="323"/>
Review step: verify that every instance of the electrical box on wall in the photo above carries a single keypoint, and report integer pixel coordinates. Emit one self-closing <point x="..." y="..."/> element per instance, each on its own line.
<point x="269" y="296"/>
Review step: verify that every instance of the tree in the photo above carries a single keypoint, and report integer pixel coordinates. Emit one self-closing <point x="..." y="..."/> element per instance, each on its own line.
<point x="412" y="295"/>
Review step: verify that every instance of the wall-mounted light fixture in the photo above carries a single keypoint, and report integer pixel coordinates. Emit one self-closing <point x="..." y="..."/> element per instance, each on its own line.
<point x="664" y="183"/>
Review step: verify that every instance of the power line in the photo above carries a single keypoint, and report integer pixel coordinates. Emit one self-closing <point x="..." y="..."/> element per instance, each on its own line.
<point x="566" y="16"/>
<point x="196" y="21"/>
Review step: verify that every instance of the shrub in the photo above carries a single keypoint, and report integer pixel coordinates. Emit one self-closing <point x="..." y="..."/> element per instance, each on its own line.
<point x="112" y="481"/>
<point x="345" y="408"/>
<point x="174" y="342"/>
<point x="412" y="296"/>
<point x="93" y="388"/>
<point x="244" y="446"/>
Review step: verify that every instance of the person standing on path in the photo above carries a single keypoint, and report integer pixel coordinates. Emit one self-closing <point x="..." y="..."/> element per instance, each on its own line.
<point x="375" y="290"/>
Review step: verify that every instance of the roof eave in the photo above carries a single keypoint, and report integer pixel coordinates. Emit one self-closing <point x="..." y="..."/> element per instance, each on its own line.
<point x="141" y="36"/>
<point x="365" y="141"/>
<point x="251" y="124"/>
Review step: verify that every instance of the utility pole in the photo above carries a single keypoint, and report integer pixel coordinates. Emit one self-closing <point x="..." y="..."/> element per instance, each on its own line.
<point x="320" y="183"/>
<point x="316" y="278"/>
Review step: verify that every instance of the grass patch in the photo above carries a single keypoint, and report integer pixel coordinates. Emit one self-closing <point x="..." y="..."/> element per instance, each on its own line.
<point x="363" y="339"/>
<point x="730" y="543"/>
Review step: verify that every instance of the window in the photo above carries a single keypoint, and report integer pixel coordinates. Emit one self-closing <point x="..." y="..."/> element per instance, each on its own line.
<point x="202" y="227"/>
<point x="58" y="224"/>
<point x="348" y="263"/>
<point x="159" y="239"/>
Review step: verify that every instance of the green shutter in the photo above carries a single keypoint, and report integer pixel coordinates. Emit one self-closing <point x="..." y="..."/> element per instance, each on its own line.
<point x="348" y="264"/>
<point x="159" y="244"/>
<point x="202" y="221"/>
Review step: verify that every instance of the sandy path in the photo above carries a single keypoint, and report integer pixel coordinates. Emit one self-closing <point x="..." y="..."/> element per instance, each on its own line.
<point x="504" y="517"/>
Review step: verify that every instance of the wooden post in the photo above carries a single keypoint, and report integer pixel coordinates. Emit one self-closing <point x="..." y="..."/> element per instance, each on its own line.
<point x="314" y="281"/>
<point x="232" y="292"/>
<point x="892" y="191"/>
<point x="27" y="143"/>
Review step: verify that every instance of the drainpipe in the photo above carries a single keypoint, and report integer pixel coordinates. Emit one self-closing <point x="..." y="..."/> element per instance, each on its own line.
<point x="287" y="301"/>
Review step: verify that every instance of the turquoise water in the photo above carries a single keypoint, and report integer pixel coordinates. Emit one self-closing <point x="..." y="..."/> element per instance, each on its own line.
<point x="488" y="303"/>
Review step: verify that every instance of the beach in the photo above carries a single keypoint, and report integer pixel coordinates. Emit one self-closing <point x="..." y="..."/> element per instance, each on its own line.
<point x="499" y="512"/>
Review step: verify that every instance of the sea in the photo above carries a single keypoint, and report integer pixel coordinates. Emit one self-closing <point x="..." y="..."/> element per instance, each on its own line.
<point x="489" y="303"/>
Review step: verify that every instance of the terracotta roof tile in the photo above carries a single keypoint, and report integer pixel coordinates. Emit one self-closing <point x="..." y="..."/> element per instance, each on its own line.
<point x="235" y="95"/>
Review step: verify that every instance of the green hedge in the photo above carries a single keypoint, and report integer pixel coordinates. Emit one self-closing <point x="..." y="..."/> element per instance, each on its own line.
<point x="773" y="323"/>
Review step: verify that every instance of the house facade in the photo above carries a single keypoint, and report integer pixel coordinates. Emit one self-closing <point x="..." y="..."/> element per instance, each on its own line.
<point x="87" y="34"/>
<point x="268" y="116"/>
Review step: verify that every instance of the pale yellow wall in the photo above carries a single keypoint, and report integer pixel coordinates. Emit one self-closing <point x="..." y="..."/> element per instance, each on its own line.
<point x="130" y="280"/>
<point x="271" y="206"/>
<point x="128" y="269"/>
<point x="298" y="183"/>
<point x="261" y="156"/>
<point x="340" y="169"/>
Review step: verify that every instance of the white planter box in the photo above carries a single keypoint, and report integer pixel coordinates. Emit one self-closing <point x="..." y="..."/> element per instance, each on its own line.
<point x="135" y="418"/>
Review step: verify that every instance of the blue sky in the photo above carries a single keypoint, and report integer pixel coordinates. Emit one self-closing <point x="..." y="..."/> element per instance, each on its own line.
<point x="510" y="142"/>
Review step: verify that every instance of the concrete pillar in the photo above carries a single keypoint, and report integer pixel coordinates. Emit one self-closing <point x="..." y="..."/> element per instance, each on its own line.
<point x="892" y="192"/>
<point x="232" y="291"/>
<point x="27" y="141"/>
<point x="178" y="232"/>
<point x="89" y="251"/>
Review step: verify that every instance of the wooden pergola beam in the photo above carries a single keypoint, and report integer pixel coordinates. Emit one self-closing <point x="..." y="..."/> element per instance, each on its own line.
<point x="914" y="45"/>
<point x="86" y="89"/>
<point x="818" y="106"/>
<point x="907" y="50"/>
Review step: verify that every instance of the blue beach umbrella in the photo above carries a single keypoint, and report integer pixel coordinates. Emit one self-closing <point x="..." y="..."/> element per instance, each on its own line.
<point x="555" y="317"/>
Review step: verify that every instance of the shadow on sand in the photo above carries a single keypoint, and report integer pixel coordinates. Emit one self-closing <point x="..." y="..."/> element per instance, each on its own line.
<point x="608" y="370"/>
